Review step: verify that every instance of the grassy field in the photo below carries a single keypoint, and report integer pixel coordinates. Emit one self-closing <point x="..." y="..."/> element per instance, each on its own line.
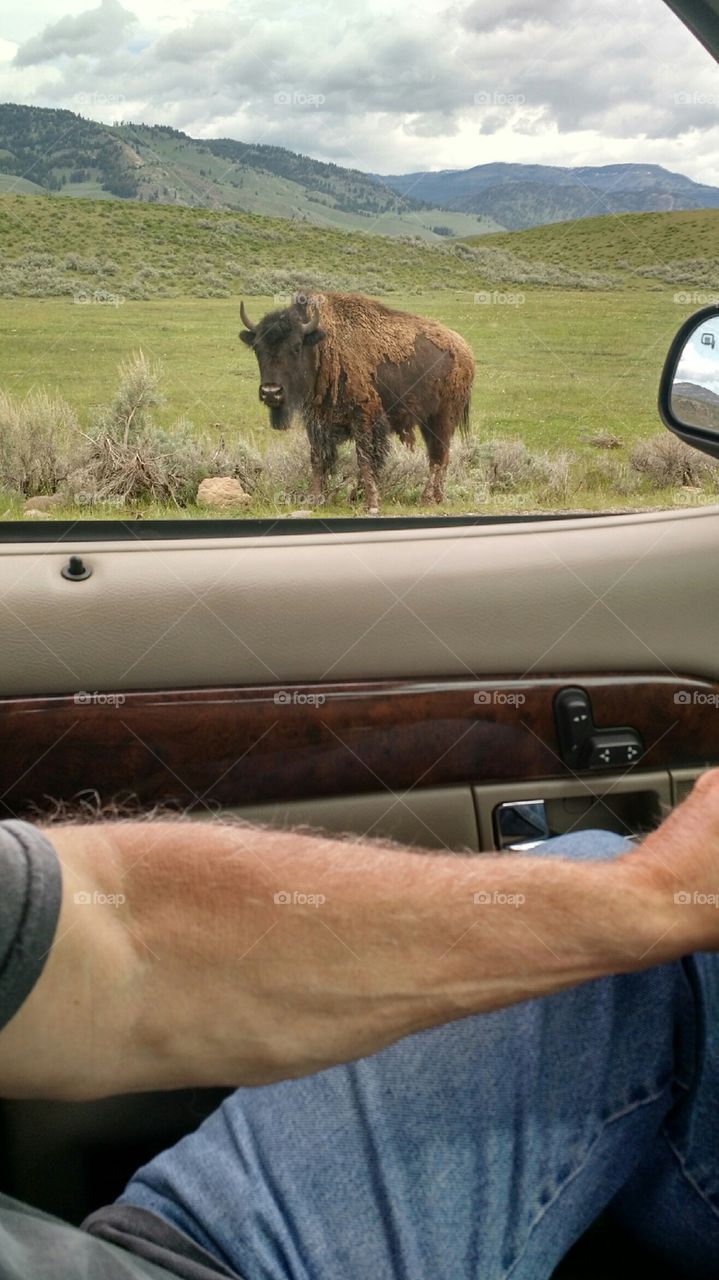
<point x="556" y="366"/>
<point x="550" y="368"/>
<point x="553" y="370"/>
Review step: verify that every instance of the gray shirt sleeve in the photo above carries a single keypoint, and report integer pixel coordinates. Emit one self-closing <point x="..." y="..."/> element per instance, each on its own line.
<point x="156" y="1240"/>
<point x="30" y="896"/>
<point x="30" y="893"/>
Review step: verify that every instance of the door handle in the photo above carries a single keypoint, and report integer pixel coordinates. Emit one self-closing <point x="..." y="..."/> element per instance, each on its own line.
<point x="520" y="824"/>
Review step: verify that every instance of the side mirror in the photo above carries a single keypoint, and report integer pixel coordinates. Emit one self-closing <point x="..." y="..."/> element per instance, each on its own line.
<point x="689" y="387"/>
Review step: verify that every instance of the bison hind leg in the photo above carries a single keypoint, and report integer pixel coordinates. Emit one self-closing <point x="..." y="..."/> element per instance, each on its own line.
<point x="372" y="446"/>
<point x="437" y="432"/>
<point x="434" y="489"/>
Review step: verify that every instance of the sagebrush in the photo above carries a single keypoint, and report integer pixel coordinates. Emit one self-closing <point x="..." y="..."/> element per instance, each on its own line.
<point x="121" y="456"/>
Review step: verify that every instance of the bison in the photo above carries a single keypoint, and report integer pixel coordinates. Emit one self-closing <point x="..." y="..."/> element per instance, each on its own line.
<point x="355" y="369"/>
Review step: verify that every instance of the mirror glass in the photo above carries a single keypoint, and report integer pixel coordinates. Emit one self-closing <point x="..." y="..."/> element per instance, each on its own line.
<point x="695" y="389"/>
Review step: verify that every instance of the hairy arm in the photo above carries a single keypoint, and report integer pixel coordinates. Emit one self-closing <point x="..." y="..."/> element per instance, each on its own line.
<point x="207" y="954"/>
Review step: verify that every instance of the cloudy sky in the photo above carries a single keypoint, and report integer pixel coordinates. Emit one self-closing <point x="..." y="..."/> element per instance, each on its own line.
<point x="383" y="85"/>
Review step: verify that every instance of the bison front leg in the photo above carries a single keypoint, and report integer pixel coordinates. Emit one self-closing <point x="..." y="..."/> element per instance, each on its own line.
<point x="319" y="464"/>
<point x="368" y="481"/>
<point x="367" y="468"/>
<point x="317" y="487"/>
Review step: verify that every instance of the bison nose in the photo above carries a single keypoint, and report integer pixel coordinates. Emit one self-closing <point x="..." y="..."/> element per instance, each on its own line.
<point x="271" y="394"/>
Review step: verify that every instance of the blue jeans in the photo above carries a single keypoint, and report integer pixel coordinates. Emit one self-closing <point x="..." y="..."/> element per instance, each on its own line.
<point x="480" y="1150"/>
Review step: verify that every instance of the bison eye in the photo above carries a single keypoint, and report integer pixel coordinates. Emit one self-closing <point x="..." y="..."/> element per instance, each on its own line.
<point x="297" y="348"/>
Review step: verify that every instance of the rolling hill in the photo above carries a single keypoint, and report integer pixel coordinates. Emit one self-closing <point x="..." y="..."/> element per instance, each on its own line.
<point x="526" y="195"/>
<point x="109" y="251"/>
<point x="60" y="152"/>
<point x="680" y="248"/>
<point x="117" y="250"/>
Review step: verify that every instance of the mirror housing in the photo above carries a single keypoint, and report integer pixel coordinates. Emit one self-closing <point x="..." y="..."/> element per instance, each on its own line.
<point x="689" y="386"/>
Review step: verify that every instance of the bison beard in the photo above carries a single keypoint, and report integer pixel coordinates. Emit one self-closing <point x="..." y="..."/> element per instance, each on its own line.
<point x="354" y="368"/>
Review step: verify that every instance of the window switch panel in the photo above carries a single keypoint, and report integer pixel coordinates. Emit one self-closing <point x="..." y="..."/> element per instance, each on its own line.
<point x="583" y="745"/>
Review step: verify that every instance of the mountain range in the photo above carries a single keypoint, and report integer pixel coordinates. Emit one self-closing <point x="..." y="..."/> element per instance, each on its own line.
<point x="48" y="150"/>
<point x="45" y="151"/>
<point x="529" y="195"/>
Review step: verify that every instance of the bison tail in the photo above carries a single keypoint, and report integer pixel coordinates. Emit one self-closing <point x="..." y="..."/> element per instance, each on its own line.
<point x="464" y="418"/>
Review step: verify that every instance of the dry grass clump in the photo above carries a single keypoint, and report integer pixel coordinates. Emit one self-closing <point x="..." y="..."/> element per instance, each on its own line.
<point x="124" y="457"/>
<point x="666" y="461"/>
<point x="286" y="474"/>
<point x="602" y="440"/>
<point x="37" y="437"/>
<point x="159" y="466"/>
<point x="510" y="467"/>
<point x="239" y="460"/>
<point x="610" y="476"/>
<point x="404" y="473"/>
<point x="127" y="457"/>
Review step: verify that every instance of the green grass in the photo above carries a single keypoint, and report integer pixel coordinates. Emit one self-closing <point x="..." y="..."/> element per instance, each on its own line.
<point x="60" y="246"/>
<point x="623" y="242"/>
<point x="583" y="503"/>
<point x="559" y="365"/>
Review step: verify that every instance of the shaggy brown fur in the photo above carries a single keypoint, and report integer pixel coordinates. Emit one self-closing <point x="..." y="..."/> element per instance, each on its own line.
<point x="363" y="334"/>
<point x="373" y="370"/>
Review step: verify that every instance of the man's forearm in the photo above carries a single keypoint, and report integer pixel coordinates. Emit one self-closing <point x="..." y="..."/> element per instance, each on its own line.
<point x="199" y="953"/>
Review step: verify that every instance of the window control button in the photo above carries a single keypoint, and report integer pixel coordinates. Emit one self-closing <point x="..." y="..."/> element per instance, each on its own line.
<point x="582" y="745"/>
<point x="612" y="749"/>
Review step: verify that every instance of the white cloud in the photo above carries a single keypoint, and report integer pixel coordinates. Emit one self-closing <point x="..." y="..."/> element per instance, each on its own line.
<point x="94" y="32"/>
<point x="557" y="83"/>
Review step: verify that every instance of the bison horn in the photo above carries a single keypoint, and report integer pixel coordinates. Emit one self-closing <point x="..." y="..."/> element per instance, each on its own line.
<point x="310" y="325"/>
<point x="246" y="319"/>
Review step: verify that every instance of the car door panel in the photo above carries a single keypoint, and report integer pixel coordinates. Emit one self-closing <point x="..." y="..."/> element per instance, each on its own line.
<point x="629" y="592"/>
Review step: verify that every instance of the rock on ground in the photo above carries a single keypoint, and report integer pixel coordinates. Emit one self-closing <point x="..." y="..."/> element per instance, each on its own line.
<point x="222" y="492"/>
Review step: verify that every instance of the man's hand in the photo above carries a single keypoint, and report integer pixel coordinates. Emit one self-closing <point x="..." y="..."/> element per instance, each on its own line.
<point x="192" y="953"/>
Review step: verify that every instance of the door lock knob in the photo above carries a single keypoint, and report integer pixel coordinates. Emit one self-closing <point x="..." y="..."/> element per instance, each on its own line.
<point x="575" y="724"/>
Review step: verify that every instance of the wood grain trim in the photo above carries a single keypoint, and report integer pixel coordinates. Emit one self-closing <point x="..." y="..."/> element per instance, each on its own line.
<point x="230" y="746"/>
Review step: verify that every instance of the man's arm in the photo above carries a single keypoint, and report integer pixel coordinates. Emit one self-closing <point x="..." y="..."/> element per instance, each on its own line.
<point x="207" y="954"/>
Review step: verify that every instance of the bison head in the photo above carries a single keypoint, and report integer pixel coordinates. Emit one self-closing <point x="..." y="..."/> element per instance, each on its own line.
<point x="283" y="342"/>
